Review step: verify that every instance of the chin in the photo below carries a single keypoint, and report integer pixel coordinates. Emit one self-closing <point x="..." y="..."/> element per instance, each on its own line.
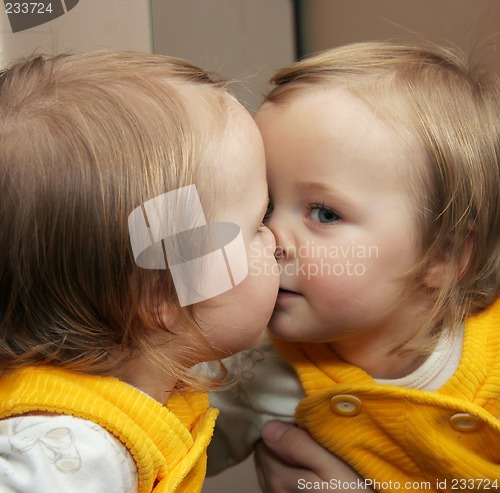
<point x="287" y="332"/>
<point x="255" y="341"/>
<point x="243" y="345"/>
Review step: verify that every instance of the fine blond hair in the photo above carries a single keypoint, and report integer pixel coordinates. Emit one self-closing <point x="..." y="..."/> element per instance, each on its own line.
<point x="84" y="140"/>
<point x="435" y="95"/>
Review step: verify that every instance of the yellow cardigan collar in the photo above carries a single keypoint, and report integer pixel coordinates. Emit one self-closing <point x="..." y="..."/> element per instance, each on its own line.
<point x="168" y="444"/>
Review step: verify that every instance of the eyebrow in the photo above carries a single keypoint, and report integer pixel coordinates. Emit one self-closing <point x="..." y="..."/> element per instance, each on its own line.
<point x="314" y="187"/>
<point x="322" y="188"/>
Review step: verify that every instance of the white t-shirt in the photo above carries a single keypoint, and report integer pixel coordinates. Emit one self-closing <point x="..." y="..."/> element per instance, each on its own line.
<point x="59" y="453"/>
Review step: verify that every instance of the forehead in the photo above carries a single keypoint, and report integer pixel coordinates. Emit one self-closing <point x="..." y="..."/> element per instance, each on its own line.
<point x="240" y="144"/>
<point x="237" y="167"/>
<point x="330" y="117"/>
<point x="321" y="132"/>
<point x="322" y="109"/>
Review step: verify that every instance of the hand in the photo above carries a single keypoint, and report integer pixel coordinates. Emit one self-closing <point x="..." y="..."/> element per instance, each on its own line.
<point x="289" y="459"/>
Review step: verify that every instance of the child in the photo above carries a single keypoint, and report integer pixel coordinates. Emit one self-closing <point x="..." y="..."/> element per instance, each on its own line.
<point x="383" y="171"/>
<point x="96" y="391"/>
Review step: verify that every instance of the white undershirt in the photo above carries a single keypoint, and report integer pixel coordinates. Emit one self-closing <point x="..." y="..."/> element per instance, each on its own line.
<point x="438" y="367"/>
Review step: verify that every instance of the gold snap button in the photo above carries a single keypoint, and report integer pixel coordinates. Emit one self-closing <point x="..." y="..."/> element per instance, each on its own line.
<point x="345" y="405"/>
<point x="464" y="422"/>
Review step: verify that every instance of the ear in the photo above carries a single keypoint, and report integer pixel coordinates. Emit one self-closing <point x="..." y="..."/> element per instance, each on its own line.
<point x="438" y="271"/>
<point x="169" y="313"/>
<point x="158" y="306"/>
<point x="165" y="314"/>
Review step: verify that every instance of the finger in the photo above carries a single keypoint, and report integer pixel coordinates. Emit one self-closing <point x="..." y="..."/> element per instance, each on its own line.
<point x="296" y="447"/>
<point x="276" y="476"/>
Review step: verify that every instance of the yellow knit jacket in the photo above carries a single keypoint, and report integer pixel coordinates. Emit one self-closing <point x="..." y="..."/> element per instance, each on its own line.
<point x="445" y="439"/>
<point x="168" y="444"/>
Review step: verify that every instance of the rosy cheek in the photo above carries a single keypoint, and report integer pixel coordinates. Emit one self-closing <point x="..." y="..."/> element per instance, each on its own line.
<point x="260" y="256"/>
<point x="269" y="240"/>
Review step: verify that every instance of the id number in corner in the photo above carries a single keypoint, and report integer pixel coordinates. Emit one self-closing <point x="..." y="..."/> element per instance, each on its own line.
<point x="28" y="8"/>
<point x="474" y="484"/>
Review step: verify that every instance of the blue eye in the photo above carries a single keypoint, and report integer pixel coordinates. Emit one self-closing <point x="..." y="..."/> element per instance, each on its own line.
<point x="322" y="214"/>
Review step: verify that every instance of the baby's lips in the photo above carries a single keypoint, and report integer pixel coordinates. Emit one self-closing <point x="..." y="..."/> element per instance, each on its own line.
<point x="284" y="290"/>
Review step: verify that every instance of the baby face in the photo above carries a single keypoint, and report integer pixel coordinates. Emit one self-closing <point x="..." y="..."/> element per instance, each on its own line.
<point x="343" y="219"/>
<point x="236" y="319"/>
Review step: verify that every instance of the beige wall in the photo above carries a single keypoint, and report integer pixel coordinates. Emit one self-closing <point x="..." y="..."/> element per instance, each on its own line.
<point x="474" y="25"/>
<point x="242" y="39"/>
<point x="91" y="24"/>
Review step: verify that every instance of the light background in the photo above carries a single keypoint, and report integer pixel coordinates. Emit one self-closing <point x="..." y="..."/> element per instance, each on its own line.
<point x="247" y="40"/>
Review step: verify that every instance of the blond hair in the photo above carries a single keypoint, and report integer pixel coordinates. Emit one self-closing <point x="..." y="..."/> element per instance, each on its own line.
<point x="84" y="140"/>
<point x="452" y="108"/>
